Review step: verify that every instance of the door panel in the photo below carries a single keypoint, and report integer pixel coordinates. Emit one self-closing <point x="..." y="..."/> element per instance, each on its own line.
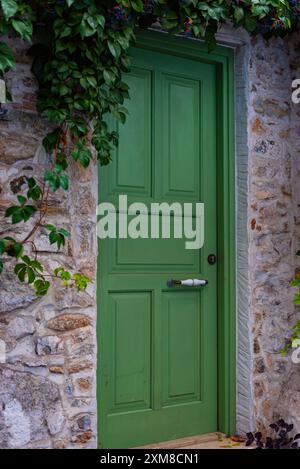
<point x="130" y="325"/>
<point x="158" y="345"/>
<point x="181" y="329"/>
<point x="135" y="140"/>
<point x="180" y="120"/>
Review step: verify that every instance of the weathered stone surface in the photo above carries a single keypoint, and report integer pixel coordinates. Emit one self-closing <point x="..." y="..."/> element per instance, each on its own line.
<point x="84" y="383"/>
<point x="84" y="422"/>
<point x="61" y="443"/>
<point x="55" y="421"/>
<point x="47" y="345"/>
<point x="81" y="422"/>
<point x="19" y="327"/>
<point x="9" y="300"/>
<point x="42" y="340"/>
<point x="82" y="437"/>
<point x="273" y="236"/>
<point x="77" y="366"/>
<point x="68" y="322"/>
<point x="17" y="424"/>
<point x="66" y="299"/>
<point x="56" y="369"/>
<point x="26" y="401"/>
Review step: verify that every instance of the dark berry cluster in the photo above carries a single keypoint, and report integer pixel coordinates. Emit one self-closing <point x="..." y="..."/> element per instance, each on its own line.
<point x="188" y="27"/>
<point x="278" y="23"/>
<point x="120" y="13"/>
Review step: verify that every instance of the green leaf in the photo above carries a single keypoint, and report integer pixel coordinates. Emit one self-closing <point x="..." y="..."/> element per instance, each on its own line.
<point x="81" y="281"/>
<point x="7" y="60"/>
<point x="37" y="265"/>
<point x="70" y="2"/>
<point x="58" y="270"/>
<point x="259" y="10"/>
<point x="64" y="181"/>
<point x="2" y="246"/>
<point x="91" y="80"/>
<point x="31" y="182"/>
<point x="109" y="77"/>
<point x="15" y="249"/>
<point x="100" y="20"/>
<point x="53" y="180"/>
<point x="17" y="218"/>
<point x="50" y="227"/>
<point x="88" y="25"/>
<point x="238" y="14"/>
<point x="53" y="237"/>
<point x="57" y="236"/>
<point x="28" y="269"/>
<point x="35" y="193"/>
<point x="11" y="210"/>
<point x="198" y="30"/>
<point x="295" y="282"/>
<point x="297" y="299"/>
<point x="63" y="90"/>
<point x="30" y="275"/>
<point x="250" y="23"/>
<point x="9" y="8"/>
<point x="26" y="259"/>
<point x="64" y="232"/>
<point x="65" y="275"/>
<point x="21" y="199"/>
<point x="22" y="273"/>
<point x="82" y="155"/>
<point x="23" y="28"/>
<point x="137" y="5"/>
<point x="51" y="140"/>
<point x="19" y="267"/>
<point x="114" y="49"/>
<point x="41" y="287"/>
<point x="20" y="213"/>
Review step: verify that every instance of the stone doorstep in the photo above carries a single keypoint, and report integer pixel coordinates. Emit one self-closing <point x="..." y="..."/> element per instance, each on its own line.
<point x="208" y="441"/>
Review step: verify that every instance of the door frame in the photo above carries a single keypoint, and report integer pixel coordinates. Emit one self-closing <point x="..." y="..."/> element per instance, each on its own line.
<point x="223" y="59"/>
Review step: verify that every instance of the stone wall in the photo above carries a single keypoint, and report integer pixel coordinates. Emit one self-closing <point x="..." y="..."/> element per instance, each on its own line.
<point x="47" y="380"/>
<point x="48" y="377"/>
<point x="273" y="225"/>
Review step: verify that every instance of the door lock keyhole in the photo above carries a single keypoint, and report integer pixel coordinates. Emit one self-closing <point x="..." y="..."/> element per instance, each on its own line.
<point x="212" y="259"/>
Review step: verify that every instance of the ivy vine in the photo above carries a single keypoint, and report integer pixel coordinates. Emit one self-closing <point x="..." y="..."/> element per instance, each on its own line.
<point x="80" y="52"/>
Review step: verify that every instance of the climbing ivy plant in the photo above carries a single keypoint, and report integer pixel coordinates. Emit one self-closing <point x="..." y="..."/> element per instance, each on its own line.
<point x="80" y="53"/>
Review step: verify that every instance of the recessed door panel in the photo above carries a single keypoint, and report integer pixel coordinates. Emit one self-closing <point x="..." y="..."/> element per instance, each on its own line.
<point x="182" y="370"/>
<point x="130" y="365"/>
<point x="132" y="175"/>
<point x="181" y="136"/>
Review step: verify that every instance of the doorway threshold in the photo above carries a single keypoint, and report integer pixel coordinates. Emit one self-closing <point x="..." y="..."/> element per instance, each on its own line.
<point x="216" y="440"/>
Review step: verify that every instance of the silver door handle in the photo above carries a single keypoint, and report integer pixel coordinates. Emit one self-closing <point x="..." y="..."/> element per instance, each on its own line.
<point x="190" y="282"/>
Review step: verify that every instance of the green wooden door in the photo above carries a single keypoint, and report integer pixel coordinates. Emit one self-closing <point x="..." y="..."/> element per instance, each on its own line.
<point x="158" y="345"/>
